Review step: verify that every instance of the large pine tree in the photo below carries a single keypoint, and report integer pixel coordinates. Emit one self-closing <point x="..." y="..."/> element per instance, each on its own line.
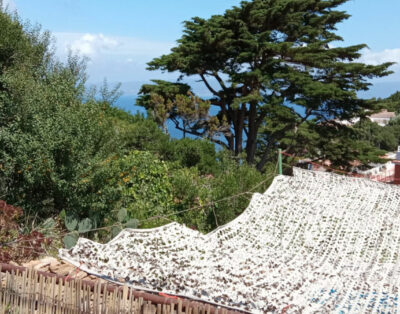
<point x="271" y="66"/>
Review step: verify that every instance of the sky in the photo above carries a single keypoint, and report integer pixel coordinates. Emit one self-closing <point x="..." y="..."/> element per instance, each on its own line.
<point x="119" y="37"/>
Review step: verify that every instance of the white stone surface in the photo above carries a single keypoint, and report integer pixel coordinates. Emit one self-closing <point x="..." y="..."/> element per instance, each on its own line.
<point x="315" y="242"/>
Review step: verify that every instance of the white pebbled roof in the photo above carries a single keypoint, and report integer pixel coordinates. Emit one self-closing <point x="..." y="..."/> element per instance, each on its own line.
<point x="313" y="242"/>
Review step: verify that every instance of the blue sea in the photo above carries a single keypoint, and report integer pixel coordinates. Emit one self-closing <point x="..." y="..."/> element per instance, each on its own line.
<point x="127" y="103"/>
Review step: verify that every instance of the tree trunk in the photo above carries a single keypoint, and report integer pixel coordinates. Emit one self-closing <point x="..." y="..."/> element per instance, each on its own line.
<point x="251" y="144"/>
<point x="239" y="125"/>
<point x="229" y="138"/>
<point x="263" y="160"/>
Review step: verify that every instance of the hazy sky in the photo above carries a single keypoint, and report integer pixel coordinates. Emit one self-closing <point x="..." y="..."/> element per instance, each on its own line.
<point x="120" y="36"/>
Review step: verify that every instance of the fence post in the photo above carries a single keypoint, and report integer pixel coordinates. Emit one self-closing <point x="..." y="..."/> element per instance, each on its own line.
<point x="396" y="172"/>
<point x="397" y="167"/>
<point x="280" y="161"/>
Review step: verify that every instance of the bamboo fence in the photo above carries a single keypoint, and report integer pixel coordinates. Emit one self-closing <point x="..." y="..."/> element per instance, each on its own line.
<point x="30" y="291"/>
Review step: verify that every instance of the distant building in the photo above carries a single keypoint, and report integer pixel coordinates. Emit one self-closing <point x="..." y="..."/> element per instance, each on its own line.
<point x="382" y="118"/>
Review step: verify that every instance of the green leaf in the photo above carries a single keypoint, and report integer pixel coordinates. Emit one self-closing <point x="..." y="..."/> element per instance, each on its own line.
<point x="71" y="222"/>
<point x="116" y="230"/>
<point x="122" y="213"/>
<point x="85" y="225"/>
<point x="70" y="240"/>
<point x="62" y="214"/>
<point x="49" y="224"/>
<point x="132" y="223"/>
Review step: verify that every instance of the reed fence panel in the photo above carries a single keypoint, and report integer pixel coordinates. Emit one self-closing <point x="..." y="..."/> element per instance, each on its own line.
<point x="30" y="292"/>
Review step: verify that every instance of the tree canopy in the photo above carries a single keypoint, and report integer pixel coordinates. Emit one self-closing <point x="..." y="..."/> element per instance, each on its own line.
<point x="270" y="66"/>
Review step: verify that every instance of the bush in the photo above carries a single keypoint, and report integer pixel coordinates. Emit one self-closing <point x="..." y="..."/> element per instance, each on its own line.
<point x="136" y="133"/>
<point x="189" y="153"/>
<point x="204" y="192"/>
<point x="137" y="182"/>
<point x="145" y="186"/>
<point x="191" y="190"/>
<point x="51" y="132"/>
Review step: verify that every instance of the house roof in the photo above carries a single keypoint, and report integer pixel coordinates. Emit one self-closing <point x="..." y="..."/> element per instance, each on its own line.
<point x="384" y="114"/>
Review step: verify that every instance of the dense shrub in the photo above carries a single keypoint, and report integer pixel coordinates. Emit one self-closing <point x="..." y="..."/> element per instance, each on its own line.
<point x="43" y="162"/>
<point x="191" y="198"/>
<point x="137" y="181"/>
<point x="382" y="137"/>
<point x="188" y="152"/>
<point x="52" y="133"/>
<point x="205" y="192"/>
<point x="135" y="132"/>
<point x="146" y="189"/>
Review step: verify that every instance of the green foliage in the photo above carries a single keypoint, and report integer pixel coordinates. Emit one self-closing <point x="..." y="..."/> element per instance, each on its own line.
<point x="191" y="153"/>
<point x="191" y="190"/>
<point x="165" y="89"/>
<point x="347" y="146"/>
<point x="75" y="227"/>
<point x="123" y="219"/>
<point x="265" y="56"/>
<point x="146" y="189"/>
<point x="132" y="223"/>
<point x="44" y="157"/>
<point x="341" y="145"/>
<point x="382" y="137"/>
<point x="66" y="154"/>
<point x="71" y="222"/>
<point x="71" y="239"/>
<point x="52" y="133"/>
<point x="392" y="103"/>
<point x="85" y="225"/>
<point x="122" y="214"/>
<point x="174" y="101"/>
<point x="136" y="132"/>
<point x="115" y="231"/>
<point x="48" y="225"/>
<point x="47" y="134"/>
<point x="120" y="188"/>
<point x="21" y="45"/>
<point x="204" y="193"/>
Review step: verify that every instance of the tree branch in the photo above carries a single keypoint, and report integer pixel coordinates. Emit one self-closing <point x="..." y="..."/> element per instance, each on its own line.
<point x="219" y="142"/>
<point x="196" y="133"/>
<point x="308" y="114"/>
<point x="212" y="90"/>
<point x="220" y="81"/>
<point x="246" y="131"/>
